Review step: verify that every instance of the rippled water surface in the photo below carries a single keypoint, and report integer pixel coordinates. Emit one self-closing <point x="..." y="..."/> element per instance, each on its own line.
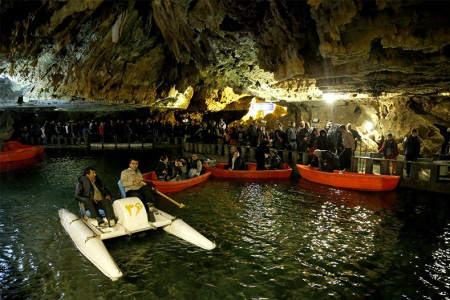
<point x="275" y="240"/>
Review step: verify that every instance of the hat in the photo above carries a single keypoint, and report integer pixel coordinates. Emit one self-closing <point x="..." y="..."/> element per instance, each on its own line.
<point x="317" y="152"/>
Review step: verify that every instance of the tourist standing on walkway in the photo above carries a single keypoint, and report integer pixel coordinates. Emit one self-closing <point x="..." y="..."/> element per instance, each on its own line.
<point x="411" y="149"/>
<point x="348" y="144"/>
<point x="291" y="136"/>
<point x="389" y="149"/>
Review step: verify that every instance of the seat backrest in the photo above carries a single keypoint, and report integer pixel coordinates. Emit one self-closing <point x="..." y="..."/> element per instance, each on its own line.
<point x="122" y="189"/>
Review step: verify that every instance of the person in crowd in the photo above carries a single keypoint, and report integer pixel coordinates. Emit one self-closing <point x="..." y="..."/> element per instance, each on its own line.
<point x="179" y="170"/>
<point x="252" y="134"/>
<point x="336" y="139"/>
<point x="324" y="160"/>
<point x="135" y="186"/>
<point x="348" y="144"/>
<point x="389" y="149"/>
<point x="322" y="141"/>
<point x="279" y="137"/>
<point x="302" y="137"/>
<point x="162" y="170"/>
<point x="237" y="163"/>
<point x="411" y="149"/>
<point x="222" y="124"/>
<point x="230" y="157"/>
<point x="93" y="194"/>
<point x="355" y="134"/>
<point x="291" y="136"/>
<point x="274" y="161"/>
<point x="195" y="166"/>
<point x="263" y="135"/>
<point x="43" y="135"/>
<point x="241" y="136"/>
<point x="261" y="153"/>
<point x="312" y="141"/>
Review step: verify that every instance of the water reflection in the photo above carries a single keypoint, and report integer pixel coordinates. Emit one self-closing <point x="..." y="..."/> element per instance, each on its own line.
<point x="276" y="240"/>
<point x="373" y="201"/>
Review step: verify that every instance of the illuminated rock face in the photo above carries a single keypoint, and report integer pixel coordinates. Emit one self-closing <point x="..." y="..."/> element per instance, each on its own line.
<point x="389" y="58"/>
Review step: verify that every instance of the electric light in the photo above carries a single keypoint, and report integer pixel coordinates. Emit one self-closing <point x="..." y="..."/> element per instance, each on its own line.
<point x="368" y="127"/>
<point x="329" y="97"/>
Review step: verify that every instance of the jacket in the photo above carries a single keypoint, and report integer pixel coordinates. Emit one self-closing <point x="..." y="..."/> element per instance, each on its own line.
<point x="84" y="190"/>
<point x="411" y="146"/>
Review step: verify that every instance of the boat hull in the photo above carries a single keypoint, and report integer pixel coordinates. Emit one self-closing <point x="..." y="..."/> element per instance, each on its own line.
<point x="181" y="229"/>
<point x="131" y="218"/>
<point x="250" y="173"/>
<point x="89" y="244"/>
<point x="15" y="151"/>
<point x="349" y="180"/>
<point x="174" y="186"/>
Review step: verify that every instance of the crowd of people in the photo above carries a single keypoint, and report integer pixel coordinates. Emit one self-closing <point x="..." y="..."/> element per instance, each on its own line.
<point x="297" y="138"/>
<point x="338" y="139"/>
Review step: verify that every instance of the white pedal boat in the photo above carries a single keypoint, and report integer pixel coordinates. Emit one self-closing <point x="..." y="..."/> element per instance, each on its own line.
<point x="131" y="218"/>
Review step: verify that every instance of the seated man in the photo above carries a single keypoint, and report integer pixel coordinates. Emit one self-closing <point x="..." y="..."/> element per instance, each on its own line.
<point x="324" y="160"/>
<point x="237" y="163"/>
<point x="162" y="168"/>
<point x="134" y="185"/>
<point x="195" y="166"/>
<point x="91" y="192"/>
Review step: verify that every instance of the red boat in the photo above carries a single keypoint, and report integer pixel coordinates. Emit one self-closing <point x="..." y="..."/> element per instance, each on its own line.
<point x="173" y="186"/>
<point x="250" y="173"/>
<point x="349" y="180"/>
<point x="15" y="151"/>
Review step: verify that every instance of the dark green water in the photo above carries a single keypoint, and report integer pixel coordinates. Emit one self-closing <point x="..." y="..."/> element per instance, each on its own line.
<point x="275" y="240"/>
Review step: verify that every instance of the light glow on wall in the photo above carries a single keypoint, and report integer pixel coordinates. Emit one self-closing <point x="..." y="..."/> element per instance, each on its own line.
<point x="368" y="127"/>
<point x="330" y="97"/>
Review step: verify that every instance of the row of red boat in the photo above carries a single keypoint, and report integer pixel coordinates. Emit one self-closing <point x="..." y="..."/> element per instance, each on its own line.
<point x="348" y="180"/>
<point x="14" y="151"/>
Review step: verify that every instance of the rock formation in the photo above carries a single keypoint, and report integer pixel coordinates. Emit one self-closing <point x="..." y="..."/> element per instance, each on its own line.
<point x="385" y="61"/>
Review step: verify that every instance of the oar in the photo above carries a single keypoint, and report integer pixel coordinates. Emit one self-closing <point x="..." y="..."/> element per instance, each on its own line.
<point x="180" y="205"/>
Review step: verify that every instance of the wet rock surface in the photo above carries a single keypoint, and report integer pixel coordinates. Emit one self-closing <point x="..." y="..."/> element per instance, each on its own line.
<point x="388" y="58"/>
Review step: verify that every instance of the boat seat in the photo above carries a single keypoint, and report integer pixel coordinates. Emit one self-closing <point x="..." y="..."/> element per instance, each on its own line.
<point x="122" y="189"/>
<point x="83" y="211"/>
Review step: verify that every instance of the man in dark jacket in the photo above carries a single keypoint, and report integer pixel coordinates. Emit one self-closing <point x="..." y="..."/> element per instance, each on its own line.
<point x="411" y="148"/>
<point x="91" y="192"/>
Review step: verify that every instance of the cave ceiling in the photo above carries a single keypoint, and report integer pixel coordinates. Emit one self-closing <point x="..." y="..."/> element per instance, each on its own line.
<point x="210" y="53"/>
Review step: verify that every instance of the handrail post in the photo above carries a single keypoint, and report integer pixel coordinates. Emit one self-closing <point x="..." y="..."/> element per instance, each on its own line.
<point x="252" y="153"/>
<point x="434" y="172"/>
<point x="244" y="152"/>
<point x="305" y="158"/>
<point x="286" y="156"/>
<point x="369" y="166"/>
<point x="354" y="165"/>
<point x="384" y="167"/>
<point x="295" y="157"/>
<point x="399" y="168"/>
<point x="415" y="169"/>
